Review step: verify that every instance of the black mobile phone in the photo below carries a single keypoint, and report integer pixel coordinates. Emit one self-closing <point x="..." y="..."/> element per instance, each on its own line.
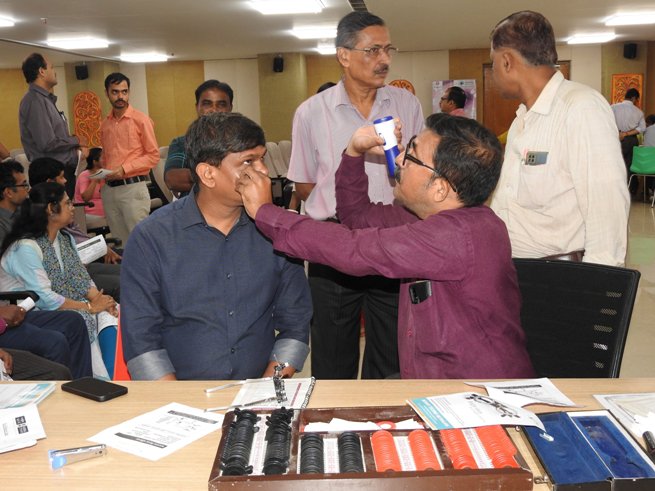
<point x="93" y="388"/>
<point x="420" y="291"/>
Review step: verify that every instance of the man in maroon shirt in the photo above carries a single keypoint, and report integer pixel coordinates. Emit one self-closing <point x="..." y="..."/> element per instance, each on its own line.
<point x="459" y="313"/>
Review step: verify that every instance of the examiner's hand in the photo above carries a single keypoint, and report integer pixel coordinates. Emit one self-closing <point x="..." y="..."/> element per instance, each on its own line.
<point x="366" y="140"/>
<point x="255" y="189"/>
<point x="8" y="361"/>
<point x="12" y="314"/>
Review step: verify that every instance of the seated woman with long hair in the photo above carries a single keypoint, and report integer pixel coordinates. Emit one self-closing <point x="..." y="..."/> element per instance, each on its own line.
<point x="87" y="190"/>
<point x="37" y="255"/>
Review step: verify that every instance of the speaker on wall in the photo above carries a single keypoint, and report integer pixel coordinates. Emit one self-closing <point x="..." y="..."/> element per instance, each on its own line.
<point x="81" y="72"/>
<point x="630" y="51"/>
<point x="278" y="64"/>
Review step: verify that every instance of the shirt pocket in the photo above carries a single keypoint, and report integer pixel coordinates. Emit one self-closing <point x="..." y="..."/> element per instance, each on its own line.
<point x="431" y="334"/>
<point x="536" y="186"/>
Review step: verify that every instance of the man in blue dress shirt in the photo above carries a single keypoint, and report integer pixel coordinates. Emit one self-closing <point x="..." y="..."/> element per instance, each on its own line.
<point x="204" y="295"/>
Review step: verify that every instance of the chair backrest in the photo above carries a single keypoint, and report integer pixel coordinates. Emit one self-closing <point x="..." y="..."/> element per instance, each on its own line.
<point x="285" y="150"/>
<point x="576" y="316"/>
<point x="643" y="160"/>
<point x="273" y="151"/>
<point x="157" y="178"/>
<point x="21" y="158"/>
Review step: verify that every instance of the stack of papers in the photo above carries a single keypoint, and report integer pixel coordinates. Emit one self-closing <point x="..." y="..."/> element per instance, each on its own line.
<point x="19" y="395"/>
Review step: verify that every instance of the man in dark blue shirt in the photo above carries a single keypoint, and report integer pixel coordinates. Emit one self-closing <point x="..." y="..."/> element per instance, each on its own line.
<point x="204" y="294"/>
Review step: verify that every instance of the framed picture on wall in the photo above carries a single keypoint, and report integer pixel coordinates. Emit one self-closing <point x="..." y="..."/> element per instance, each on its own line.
<point x="621" y="82"/>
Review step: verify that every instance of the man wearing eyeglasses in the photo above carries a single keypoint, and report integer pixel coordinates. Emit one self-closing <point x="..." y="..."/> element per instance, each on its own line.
<point x="13" y="191"/>
<point x="459" y="310"/>
<point x="322" y="127"/>
<point x="453" y="101"/>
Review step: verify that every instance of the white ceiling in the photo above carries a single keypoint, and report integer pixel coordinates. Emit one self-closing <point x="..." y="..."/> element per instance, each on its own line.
<point x="225" y="29"/>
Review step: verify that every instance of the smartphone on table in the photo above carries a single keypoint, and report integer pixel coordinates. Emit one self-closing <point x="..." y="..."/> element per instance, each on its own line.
<point x="94" y="389"/>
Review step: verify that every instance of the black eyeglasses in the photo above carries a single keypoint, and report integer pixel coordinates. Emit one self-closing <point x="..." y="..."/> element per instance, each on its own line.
<point x="23" y="185"/>
<point x="416" y="161"/>
<point x="374" y="51"/>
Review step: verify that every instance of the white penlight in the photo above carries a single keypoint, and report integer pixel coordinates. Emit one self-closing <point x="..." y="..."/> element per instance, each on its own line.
<point x="78" y="43"/>
<point x="144" y="57"/>
<point x="314" y="32"/>
<point x="7" y="22"/>
<point x="634" y="19"/>
<point x="591" y="38"/>
<point x="326" y="48"/>
<point x="274" y="7"/>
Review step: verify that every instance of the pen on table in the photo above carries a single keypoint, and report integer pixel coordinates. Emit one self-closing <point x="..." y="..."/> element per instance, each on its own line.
<point x="650" y="443"/>
<point x="234" y="384"/>
<point x="60" y="458"/>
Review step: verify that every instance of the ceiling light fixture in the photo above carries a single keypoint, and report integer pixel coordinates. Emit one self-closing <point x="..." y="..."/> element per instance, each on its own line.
<point x="591" y="38"/>
<point x="633" y="19"/>
<point x="314" y="32"/>
<point x="274" y="7"/>
<point x="326" y="48"/>
<point x="78" y="43"/>
<point x="144" y="57"/>
<point x="7" y="22"/>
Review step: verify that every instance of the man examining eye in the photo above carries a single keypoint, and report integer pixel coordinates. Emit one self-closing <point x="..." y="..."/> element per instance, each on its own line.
<point x="322" y="127"/>
<point x="459" y="310"/>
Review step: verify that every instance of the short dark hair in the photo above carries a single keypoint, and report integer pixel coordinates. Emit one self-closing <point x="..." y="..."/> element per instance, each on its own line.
<point x="457" y="95"/>
<point x="214" y="84"/>
<point x="94" y="154"/>
<point x="631" y="94"/>
<point x="349" y="27"/>
<point x="211" y="137"/>
<point x="7" y="179"/>
<point x="529" y="33"/>
<point x="116" y="78"/>
<point x="32" y="219"/>
<point x="468" y="155"/>
<point x="650" y="119"/>
<point x="44" y="168"/>
<point x="31" y="66"/>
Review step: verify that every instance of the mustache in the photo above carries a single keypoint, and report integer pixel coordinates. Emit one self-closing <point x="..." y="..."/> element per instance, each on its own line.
<point x="382" y="68"/>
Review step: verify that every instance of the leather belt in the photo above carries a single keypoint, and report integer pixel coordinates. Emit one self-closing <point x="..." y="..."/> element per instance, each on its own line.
<point x="129" y="180"/>
<point x="575" y="256"/>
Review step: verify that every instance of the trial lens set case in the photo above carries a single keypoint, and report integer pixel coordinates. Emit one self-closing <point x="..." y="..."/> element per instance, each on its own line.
<point x="516" y="477"/>
<point x="590" y="451"/>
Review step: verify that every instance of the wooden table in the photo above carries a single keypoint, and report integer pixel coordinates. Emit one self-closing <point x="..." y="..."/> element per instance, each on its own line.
<point x="69" y="420"/>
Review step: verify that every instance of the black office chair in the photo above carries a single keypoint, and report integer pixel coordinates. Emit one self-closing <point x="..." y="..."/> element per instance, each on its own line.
<point x="576" y="316"/>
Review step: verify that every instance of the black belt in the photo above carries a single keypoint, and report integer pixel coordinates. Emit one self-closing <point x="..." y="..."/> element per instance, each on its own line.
<point x="129" y="180"/>
<point x="575" y="256"/>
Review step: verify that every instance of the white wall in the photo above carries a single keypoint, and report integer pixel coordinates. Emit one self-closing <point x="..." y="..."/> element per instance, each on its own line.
<point x="243" y="76"/>
<point x="136" y="72"/>
<point x="586" y="63"/>
<point x="421" y="68"/>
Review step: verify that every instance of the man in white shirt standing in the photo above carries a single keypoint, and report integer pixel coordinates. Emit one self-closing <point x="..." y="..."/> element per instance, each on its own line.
<point x="562" y="191"/>
<point x="630" y="121"/>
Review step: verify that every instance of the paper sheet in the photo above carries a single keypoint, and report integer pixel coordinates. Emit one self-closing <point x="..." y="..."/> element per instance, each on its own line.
<point x="524" y="392"/>
<point x="468" y="410"/>
<point x="101" y="174"/>
<point x="92" y="249"/>
<point x="635" y="411"/>
<point x="298" y="391"/>
<point x="20" y="427"/>
<point x="160" y="432"/>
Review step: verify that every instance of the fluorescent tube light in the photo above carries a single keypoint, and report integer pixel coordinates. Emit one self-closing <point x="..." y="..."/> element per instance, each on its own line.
<point x="78" y="43"/>
<point x="326" y="48"/>
<point x="314" y="32"/>
<point x="143" y="57"/>
<point x="274" y="7"/>
<point x="7" y="22"/>
<point x="633" y="19"/>
<point x="591" y="38"/>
